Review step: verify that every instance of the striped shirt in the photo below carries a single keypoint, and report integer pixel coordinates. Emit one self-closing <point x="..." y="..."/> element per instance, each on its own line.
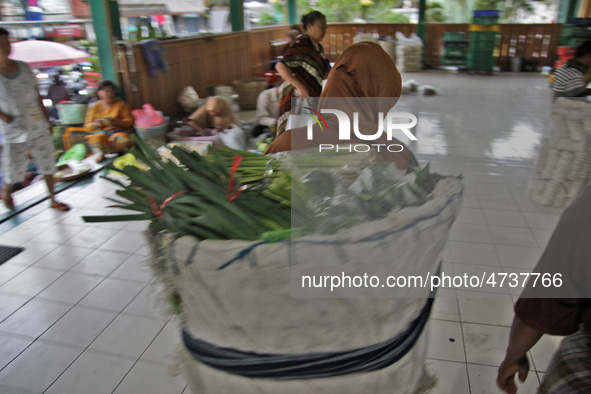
<point x="569" y="80"/>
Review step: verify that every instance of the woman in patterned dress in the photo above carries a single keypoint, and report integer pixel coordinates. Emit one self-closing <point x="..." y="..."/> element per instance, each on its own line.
<point x="303" y="66"/>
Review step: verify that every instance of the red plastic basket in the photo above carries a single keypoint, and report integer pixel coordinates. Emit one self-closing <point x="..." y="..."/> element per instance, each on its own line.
<point x="565" y="51"/>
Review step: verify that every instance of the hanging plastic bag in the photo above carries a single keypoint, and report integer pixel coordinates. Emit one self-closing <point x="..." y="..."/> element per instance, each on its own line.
<point x="189" y="99"/>
<point x="147" y="116"/>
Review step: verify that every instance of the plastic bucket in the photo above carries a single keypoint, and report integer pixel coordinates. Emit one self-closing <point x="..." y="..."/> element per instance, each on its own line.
<point x="516" y="64"/>
<point x="71" y="113"/>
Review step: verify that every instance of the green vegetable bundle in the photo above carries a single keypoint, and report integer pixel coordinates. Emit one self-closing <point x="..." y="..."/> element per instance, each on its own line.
<point x="234" y="194"/>
<point x="203" y="197"/>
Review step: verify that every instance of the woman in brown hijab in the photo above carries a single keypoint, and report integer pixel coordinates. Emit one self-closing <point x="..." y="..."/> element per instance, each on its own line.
<point x="363" y="70"/>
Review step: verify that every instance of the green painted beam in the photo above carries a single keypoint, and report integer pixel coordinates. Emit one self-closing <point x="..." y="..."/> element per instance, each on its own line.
<point x="422" y="27"/>
<point x="562" y="10"/>
<point x="237" y="14"/>
<point x="572" y="10"/>
<point x="105" y="20"/>
<point x="115" y="21"/>
<point x="292" y="10"/>
<point x="567" y="10"/>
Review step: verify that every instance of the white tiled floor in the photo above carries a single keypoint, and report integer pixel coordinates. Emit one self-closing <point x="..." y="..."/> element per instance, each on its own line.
<point x="79" y="311"/>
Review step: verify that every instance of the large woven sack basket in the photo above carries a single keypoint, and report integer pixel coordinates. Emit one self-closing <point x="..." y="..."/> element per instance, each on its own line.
<point x="248" y="92"/>
<point x="248" y="306"/>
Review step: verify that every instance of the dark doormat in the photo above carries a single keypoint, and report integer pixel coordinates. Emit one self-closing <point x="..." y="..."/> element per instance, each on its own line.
<point x="8" y="252"/>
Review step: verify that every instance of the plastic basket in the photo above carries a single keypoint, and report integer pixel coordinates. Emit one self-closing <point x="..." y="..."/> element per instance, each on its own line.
<point x="487" y="27"/>
<point x="453" y="61"/>
<point x="454" y="36"/>
<point x="480" y="64"/>
<point x="485" y="20"/>
<point x="565" y="51"/>
<point x="71" y="113"/>
<point x="573" y="42"/>
<point x="73" y="136"/>
<point x="569" y="31"/>
<point x="493" y="13"/>
<point x="455" y="43"/>
<point x="454" y="51"/>
<point x="483" y="41"/>
<point x="154" y="133"/>
<point x="248" y="92"/>
<point x="580" y="21"/>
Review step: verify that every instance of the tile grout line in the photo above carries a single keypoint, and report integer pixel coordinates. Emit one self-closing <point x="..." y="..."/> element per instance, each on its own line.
<point x="76" y="304"/>
<point x="140" y="356"/>
<point x="88" y="346"/>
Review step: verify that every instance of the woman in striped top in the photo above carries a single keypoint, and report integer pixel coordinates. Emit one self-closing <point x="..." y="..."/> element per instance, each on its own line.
<point x="569" y="80"/>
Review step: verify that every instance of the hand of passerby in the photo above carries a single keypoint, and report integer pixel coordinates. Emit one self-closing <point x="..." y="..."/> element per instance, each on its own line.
<point x="302" y="92"/>
<point x="507" y="371"/>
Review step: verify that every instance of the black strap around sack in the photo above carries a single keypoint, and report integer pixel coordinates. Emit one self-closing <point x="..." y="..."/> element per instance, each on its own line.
<point x="309" y="365"/>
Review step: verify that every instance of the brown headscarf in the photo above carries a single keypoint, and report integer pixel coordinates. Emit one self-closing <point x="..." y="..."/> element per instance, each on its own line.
<point x="363" y="70"/>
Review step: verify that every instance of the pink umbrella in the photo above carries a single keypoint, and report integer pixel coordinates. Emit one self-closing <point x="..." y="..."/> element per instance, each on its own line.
<point x="39" y="53"/>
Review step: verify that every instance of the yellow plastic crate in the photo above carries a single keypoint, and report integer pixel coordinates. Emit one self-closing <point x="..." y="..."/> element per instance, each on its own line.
<point x="496" y="28"/>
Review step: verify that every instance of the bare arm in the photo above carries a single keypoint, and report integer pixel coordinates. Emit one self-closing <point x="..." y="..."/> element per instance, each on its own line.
<point x="124" y="119"/>
<point x="6" y="118"/>
<point x="45" y="112"/>
<point x="522" y="338"/>
<point x="286" y="74"/>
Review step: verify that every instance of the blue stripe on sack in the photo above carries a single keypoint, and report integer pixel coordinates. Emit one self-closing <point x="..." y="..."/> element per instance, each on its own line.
<point x="241" y="254"/>
<point x="311" y="365"/>
<point x="192" y="253"/>
<point x="378" y="237"/>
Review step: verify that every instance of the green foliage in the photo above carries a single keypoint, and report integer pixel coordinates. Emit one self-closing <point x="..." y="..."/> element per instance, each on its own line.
<point x="488" y="4"/>
<point x="339" y="10"/>
<point x="347" y="10"/>
<point x="435" y="15"/>
<point x="266" y="19"/>
<point x="512" y="6"/>
<point x="381" y="10"/>
<point x="434" y="4"/>
<point x="435" y="12"/>
<point x="390" y="17"/>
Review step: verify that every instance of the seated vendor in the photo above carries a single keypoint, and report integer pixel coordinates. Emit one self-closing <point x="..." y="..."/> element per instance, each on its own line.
<point x="569" y="80"/>
<point x="216" y="115"/>
<point x="109" y="120"/>
<point x="267" y="112"/>
<point x="216" y="118"/>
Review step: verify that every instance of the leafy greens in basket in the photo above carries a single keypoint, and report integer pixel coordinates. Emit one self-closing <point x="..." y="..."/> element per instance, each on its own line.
<point x="233" y="194"/>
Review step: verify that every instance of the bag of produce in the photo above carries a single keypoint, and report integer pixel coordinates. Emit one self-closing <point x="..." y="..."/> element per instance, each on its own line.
<point x="233" y="233"/>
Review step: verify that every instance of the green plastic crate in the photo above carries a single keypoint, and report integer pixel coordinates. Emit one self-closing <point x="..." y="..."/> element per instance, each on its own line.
<point x="575" y="31"/>
<point x="483" y="40"/>
<point x="485" y="20"/>
<point x="480" y="58"/>
<point x="484" y="36"/>
<point x="453" y="61"/>
<point x="480" y="64"/>
<point x="454" y="51"/>
<point x="454" y="36"/>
